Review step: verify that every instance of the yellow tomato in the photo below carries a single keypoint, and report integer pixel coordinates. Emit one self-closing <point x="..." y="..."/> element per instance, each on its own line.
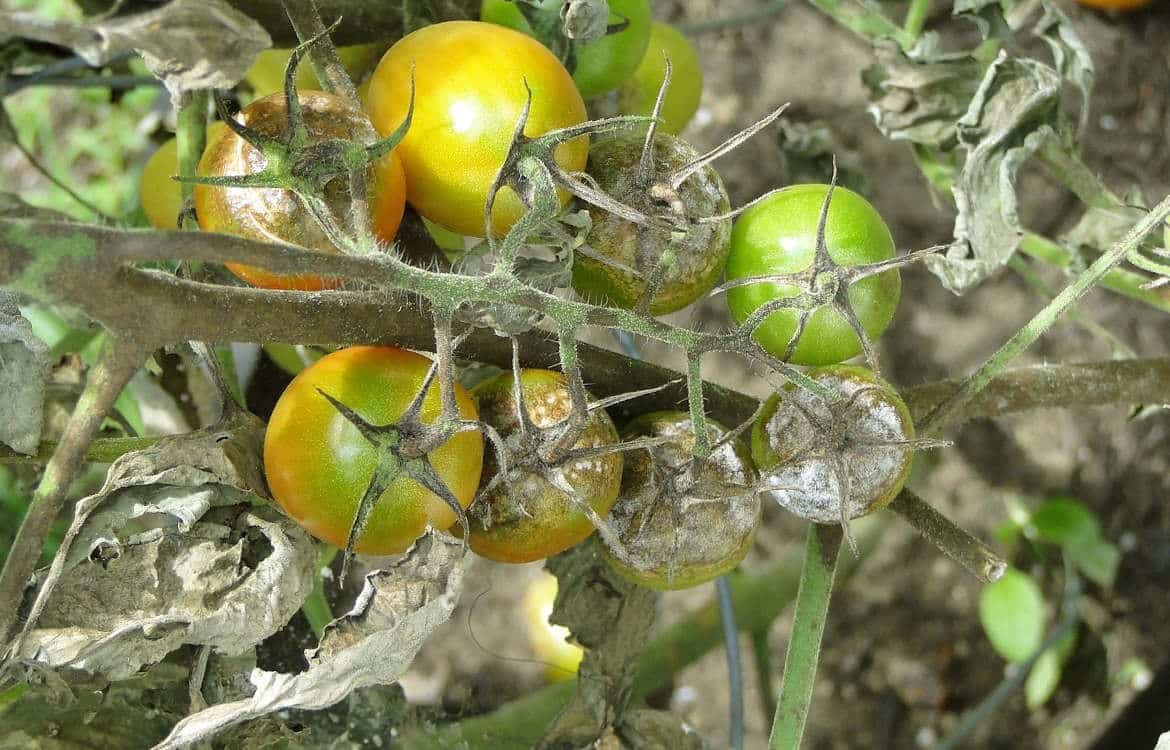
<point x="267" y="72"/>
<point x="469" y="79"/>
<point x="161" y="197"/>
<point x="550" y="643"/>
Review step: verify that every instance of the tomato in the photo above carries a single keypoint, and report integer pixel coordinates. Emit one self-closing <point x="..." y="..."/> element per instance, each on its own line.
<point x="527" y="517"/>
<point x="620" y="257"/>
<point x="600" y="66"/>
<point x="270" y="214"/>
<point x="267" y="72"/>
<point x="681" y="529"/>
<point x="550" y="643"/>
<point x="778" y="236"/>
<point x="469" y="78"/>
<point x="795" y="432"/>
<point x="161" y="196"/>
<point x="1122" y="5"/>
<point x="639" y="93"/>
<point x="319" y="465"/>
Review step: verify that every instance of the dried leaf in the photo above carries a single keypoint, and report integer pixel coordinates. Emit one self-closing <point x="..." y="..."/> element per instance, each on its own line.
<point x="373" y="644"/>
<point x="171" y="551"/>
<point x="1005" y="124"/>
<point x="189" y="44"/>
<point x="24" y="369"/>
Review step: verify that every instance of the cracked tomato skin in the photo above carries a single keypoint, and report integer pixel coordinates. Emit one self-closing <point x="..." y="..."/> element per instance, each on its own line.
<point x="274" y="215"/>
<point x="531" y="519"/>
<point x="778" y="236"/>
<point x="318" y="465"/>
<point x="469" y="92"/>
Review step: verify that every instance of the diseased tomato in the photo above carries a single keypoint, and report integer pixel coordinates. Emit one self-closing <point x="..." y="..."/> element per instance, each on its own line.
<point x="683" y="529"/>
<point x="862" y="426"/>
<point x="528" y="516"/>
<point x="620" y="257"/>
<point x="638" y="94"/>
<point x="601" y="65"/>
<point x="469" y="78"/>
<point x="778" y="236"/>
<point x="270" y="214"/>
<point x="160" y="195"/>
<point x="319" y="465"/>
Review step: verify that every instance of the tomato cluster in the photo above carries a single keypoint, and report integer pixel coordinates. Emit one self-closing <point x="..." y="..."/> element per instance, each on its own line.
<point x="366" y="459"/>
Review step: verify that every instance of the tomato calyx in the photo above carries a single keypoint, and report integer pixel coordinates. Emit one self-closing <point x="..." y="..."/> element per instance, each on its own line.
<point x="532" y="172"/>
<point x="294" y="161"/>
<point x="835" y="458"/>
<point x="404" y="446"/>
<point x="685" y="519"/>
<point x="823" y="284"/>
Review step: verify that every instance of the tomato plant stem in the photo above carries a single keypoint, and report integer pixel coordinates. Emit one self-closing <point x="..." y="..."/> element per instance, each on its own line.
<point x="191" y="136"/>
<point x="1018" y="673"/>
<point x="954" y="541"/>
<point x="1118" y="280"/>
<point x="1044" y="319"/>
<point x="808" y="626"/>
<point x="316" y="607"/>
<point x="100" y="451"/>
<point x="916" y="18"/>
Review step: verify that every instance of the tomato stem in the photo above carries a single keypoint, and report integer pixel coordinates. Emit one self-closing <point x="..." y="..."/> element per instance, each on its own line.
<point x="808" y="626"/>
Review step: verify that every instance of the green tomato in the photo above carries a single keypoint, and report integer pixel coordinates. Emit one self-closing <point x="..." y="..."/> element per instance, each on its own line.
<point x="639" y="93"/>
<point x="778" y="236"/>
<point x="600" y="66"/>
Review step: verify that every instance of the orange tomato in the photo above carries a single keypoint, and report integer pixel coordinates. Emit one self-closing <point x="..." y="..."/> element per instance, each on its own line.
<point x="271" y="214"/>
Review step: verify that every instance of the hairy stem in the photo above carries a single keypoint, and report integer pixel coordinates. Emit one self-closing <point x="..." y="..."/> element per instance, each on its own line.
<point x="957" y="543"/>
<point x="1044" y="319"/>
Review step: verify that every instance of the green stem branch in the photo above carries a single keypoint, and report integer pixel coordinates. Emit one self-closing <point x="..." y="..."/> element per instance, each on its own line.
<point x="1044" y="319"/>
<point x="808" y="627"/>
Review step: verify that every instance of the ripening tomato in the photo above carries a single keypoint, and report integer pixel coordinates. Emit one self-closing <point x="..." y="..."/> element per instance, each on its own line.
<point x="270" y="214"/>
<point x="267" y="72"/>
<point x="528" y="517"/>
<point x="638" y="94"/>
<point x="599" y="66"/>
<point x="778" y="235"/>
<point x="469" y="78"/>
<point x="160" y="195"/>
<point x="319" y="465"/>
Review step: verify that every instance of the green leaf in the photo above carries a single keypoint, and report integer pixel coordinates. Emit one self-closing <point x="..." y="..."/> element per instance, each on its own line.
<point x="1065" y="521"/>
<point x="1097" y="559"/>
<point x="1012" y="613"/>
<point x="1045" y="675"/>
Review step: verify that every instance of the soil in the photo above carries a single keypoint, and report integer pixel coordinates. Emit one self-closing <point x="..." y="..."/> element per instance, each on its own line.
<point x="905" y="656"/>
